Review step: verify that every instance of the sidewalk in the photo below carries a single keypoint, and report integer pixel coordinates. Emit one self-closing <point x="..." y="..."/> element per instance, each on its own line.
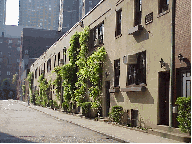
<point x="115" y="132"/>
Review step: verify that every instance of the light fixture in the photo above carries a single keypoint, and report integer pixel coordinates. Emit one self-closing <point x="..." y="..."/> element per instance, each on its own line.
<point x="162" y="63"/>
<point x="81" y="23"/>
<point x="180" y="57"/>
<point x="106" y="74"/>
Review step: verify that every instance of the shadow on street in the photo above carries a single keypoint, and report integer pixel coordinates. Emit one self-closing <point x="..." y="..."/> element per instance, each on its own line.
<point x="6" y="138"/>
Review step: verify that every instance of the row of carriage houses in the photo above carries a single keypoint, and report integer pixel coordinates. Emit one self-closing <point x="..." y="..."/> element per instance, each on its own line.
<point x="147" y="66"/>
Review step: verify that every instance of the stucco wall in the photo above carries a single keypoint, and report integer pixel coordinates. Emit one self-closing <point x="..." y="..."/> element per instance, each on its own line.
<point x="155" y="39"/>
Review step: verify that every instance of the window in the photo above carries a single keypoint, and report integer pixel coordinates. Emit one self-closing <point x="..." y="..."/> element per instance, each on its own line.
<point x="1" y="53"/>
<point x="39" y="71"/>
<point x="8" y="73"/>
<point x="64" y="55"/>
<point x="138" y="12"/>
<point x="10" y="41"/>
<point x="18" y="60"/>
<point x="0" y="72"/>
<point x="49" y="65"/>
<point x="117" y="72"/>
<point x="90" y="2"/>
<point x="55" y="61"/>
<point x="19" y="42"/>
<point x="26" y="52"/>
<point x="58" y="58"/>
<point x="98" y="34"/>
<point x="163" y="5"/>
<point x="186" y="83"/>
<point x="136" y="73"/>
<point x="36" y="73"/>
<point x="118" y="22"/>
<point x="18" y="48"/>
<point x="9" y="54"/>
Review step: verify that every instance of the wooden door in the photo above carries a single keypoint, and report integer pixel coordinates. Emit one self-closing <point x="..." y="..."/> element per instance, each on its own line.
<point x="164" y="98"/>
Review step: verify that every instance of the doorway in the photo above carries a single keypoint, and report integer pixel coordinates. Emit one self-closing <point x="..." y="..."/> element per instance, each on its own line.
<point x="107" y="96"/>
<point x="164" y="98"/>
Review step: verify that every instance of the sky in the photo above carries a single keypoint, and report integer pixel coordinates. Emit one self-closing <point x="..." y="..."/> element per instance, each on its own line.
<point x="12" y="12"/>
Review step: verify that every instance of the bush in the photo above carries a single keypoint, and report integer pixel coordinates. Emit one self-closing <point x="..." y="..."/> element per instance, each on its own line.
<point x="184" y="113"/>
<point x="55" y="105"/>
<point x="65" y="106"/>
<point x="116" y="114"/>
<point x="50" y="104"/>
<point x="86" y="107"/>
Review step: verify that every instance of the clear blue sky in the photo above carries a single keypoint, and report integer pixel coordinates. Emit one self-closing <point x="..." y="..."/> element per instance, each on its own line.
<point x="12" y="12"/>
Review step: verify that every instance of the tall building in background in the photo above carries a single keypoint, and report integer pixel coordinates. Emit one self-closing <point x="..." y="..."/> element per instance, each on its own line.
<point x="2" y="15"/>
<point x="39" y="13"/>
<point x="71" y="11"/>
<point x="85" y="6"/>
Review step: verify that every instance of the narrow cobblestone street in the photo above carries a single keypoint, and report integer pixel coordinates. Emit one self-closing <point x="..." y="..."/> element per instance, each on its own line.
<point x="20" y="124"/>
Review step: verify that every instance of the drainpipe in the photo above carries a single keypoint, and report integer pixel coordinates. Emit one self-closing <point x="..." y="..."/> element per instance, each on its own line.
<point x="172" y="69"/>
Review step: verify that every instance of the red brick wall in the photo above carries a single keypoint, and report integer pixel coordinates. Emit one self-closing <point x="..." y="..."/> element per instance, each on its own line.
<point x="182" y="44"/>
<point x="182" y="31"/>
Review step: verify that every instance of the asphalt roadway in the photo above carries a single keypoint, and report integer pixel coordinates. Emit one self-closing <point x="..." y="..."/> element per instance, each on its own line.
<point x="21" y="124"/>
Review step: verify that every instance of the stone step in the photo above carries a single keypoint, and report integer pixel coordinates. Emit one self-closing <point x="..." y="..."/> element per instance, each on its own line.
<point x="103" y="120"/>
<point x="171" y="135"/>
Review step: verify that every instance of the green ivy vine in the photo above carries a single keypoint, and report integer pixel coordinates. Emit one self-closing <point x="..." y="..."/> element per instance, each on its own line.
<point x="57" y="81"/>
<point x="29" y="79"/>
<point x="94" y="63"/>
<point x="80" y="70"/>
<point x="23" y="89"/>
<point x="42" y="99"/>
<point x="81" y="62"/>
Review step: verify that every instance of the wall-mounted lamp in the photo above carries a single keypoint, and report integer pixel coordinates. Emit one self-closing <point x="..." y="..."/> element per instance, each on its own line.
<point x="106" y="74"/>
<point x="180" y="57"/>
<point x="162" y="63"/>
<point x="81" y="23"/>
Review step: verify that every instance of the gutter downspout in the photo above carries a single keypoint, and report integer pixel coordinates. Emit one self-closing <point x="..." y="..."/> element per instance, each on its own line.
<point x="172" y="69"/>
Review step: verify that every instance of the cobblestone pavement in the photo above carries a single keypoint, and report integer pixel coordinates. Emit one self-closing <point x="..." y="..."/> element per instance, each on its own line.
<point x="20" y="124"/>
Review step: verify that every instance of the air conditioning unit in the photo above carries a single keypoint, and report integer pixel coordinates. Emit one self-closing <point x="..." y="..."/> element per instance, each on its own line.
<point x="130" y="59"/>
<point x="96" y="42"/>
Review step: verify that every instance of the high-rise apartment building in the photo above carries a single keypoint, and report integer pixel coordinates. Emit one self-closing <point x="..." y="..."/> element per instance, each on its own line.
<point x="71" y="11"/>
<point x="2" y="15"/>
<point x="85" y="6"/>
<point x="39" y="13"/>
